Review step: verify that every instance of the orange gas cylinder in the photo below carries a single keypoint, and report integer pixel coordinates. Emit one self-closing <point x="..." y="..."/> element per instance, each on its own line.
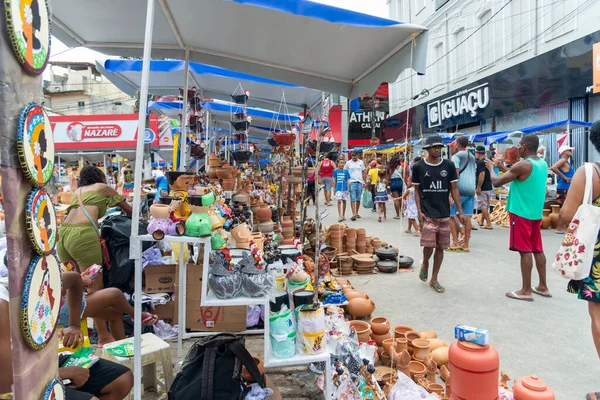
<point x="532" y="388"/>
<point x="474" y="371"/>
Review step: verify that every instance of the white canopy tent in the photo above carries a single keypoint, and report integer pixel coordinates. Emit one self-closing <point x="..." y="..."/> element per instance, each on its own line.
<point x="295" y="41"/>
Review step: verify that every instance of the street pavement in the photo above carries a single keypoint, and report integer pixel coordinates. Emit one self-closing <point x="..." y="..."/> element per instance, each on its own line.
<point x="550" y="338"/>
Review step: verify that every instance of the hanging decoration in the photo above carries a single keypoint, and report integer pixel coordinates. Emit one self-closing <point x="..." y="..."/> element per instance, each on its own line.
<point x="28" y="28"/>
<point x="284" y="134"/>
<point x="40" y="302"/>
<point x="55" y="390"/>
<point x="40" y="218"/>
<point x="35" y="144"/>
<point x="240" y="123"/>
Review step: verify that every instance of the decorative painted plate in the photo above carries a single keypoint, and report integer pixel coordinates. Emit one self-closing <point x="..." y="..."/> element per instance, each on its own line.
<point x="55" y="390"/>
<point x="40" y="303"/>
<point x="28" y="26"/>
<point x="41" y="221"/>
<point x="35" y="144"/>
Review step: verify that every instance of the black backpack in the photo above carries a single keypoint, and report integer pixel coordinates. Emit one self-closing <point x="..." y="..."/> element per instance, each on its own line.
<point x="212" y="370"/>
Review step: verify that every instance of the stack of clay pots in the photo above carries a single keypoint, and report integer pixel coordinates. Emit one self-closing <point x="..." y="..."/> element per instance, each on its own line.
<point x="363" y="264"/>
<point x="350" y="240"/>
<point x="287" y="230"/>
<point x="345" y="264"/>
<point x="336" y="236"/>
<point x="376" y="243"/>
<point x="361" y="240"/>
<point x="263" y="215"/>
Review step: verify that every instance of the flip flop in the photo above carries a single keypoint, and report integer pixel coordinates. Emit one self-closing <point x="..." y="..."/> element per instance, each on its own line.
<point x="438" y="288"/>
<point x="489" y="228"/>
<point x="396" y="217"/>
<point x="341" y="220"/>
<point x="515" y="296"/>
<point x="463" y="250"/>
<point x="423" y="275"/>
<point x="454" y="249"/>
<point x="546" y="295"/>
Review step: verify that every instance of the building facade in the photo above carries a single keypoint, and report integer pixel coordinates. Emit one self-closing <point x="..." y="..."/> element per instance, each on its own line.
<point x="77" y="88"/>
<point x="498" y="65"/>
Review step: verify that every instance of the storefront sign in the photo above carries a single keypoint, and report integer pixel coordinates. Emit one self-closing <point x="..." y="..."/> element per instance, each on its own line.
<point x="596" y="62"/>
<point x="98" y="132"/>
<point x="364" y="119"/>
<point x="469" y="101"/>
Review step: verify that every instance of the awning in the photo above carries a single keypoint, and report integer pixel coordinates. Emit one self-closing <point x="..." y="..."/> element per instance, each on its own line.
<point x="554" y="127"/>
<point x="297" y="41"/>
<point x="167" y="76"/>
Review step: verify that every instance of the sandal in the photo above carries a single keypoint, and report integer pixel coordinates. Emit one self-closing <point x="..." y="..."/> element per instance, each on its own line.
<point x="438" y="288"/>
<point x="423" y="275"/>
<point x="379" y="219"/>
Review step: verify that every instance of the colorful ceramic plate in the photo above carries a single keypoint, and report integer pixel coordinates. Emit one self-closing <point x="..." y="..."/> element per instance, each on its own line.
<point x="41" y="221"/>
<point x="55" y="390"/>
<point x="40" y="303"/>
<point x="35" y="144"/>
<point x="28" y="26"/>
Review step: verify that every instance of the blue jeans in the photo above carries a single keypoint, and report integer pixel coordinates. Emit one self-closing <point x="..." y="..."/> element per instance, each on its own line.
<point x="355" y="191"/>
<point x="467" y="203"/>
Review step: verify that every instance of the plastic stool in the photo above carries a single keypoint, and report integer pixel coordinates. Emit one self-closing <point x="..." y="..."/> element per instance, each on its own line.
<point x="154" y="350"/>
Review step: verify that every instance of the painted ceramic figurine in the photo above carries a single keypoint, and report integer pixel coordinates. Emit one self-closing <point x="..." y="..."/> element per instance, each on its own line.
<point x="179" y="183"/>
<point x="162" y="224"/>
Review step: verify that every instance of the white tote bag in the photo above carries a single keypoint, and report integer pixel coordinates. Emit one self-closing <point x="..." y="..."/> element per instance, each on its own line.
<point x="575" y="255"/>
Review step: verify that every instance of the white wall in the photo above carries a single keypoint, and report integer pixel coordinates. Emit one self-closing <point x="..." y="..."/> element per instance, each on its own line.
<point x="519" y="31"/>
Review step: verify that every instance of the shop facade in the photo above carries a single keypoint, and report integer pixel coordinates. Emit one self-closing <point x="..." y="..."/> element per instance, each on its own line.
<point x="554" y="86"/>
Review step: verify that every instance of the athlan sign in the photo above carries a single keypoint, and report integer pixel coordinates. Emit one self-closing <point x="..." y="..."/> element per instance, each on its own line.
<point x="468" y="101"/>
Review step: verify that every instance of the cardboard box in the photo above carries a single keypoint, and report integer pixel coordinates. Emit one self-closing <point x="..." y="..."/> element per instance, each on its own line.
<point x="206" y="319"/>
<point x="269" y="383"/>
<point x="167" y="312"/>
<point x="471" y="334"/>
<point x="159" y="278"/>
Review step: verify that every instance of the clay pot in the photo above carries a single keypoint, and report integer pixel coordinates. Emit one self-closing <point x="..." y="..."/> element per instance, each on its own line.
<point x="400" y="344"/>
<point x="347" y="288"/>
<point x="436" y="344"/>
<point x="386" y="359"/>
<point x="228" y="184"/>
<point x="389" y="380"/>
<point x="400" y="330"/>
<point x="351" y="234"/>
<point x="554" y="215"/>
<point x="360" y="308"/>
<point x="223" y="173"/>
<point x="546" y="219"/>
<point x="353" y="294"/>
<point x="421" y="349"/>
<point x="380" y="325"/>
<point x="363" y="330"/>
<point x="412" y="335"/>
<point x="416" y="368"/>
<point x="532" y="388"/>
<point x="440" y="356"/>
<point x="428" y="335"/>
<point x="66" y="197"/>
<point x="212" y="173"/>
<point x="380" y="338"/>
<point x="436" y="388"/>
<point x="266" y="227"/>
<point x="241" y="234"/>
<point x="264" y="213"/>
<point x="241" y="197"/>
<point x="297" y="172"/>
<point x="261" y="368"/>
<point x="387" y="345"/>
<point x="159" y="211"/>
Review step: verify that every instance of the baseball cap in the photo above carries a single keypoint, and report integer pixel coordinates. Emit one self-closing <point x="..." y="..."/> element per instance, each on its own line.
<point x="564" y="148"/>
<point x="432" y="141"/>
<point x="480" y="149"/>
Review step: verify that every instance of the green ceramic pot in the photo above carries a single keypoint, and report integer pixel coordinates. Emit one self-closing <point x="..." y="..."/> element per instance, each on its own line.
<point x="217" y="242"/>
<point x="198" y="225"/>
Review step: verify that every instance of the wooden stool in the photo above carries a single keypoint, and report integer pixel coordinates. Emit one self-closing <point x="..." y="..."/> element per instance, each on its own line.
<point x="153" y="350"/>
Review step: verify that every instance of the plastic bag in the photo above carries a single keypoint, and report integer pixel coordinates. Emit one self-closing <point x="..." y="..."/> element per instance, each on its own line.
<point x="258" y="393"/>
<point x="367" y="199"/>
<point x="406" y="389"/>
<point x="282" y="333"/>
<point x="253" y="315"/>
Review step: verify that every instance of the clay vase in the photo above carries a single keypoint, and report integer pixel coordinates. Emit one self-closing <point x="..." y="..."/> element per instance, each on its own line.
<point x="363" y="330"/>
<point x="213" y="160"/>
<point x="387" y="345"/>
<point x="380" y="325"/>
<point x="264" y="213"/>
<point x="400" y="344"/>
<point x="554" y="215"/>
<point x="353" y="294"/>
<point x="546" y="219"/>
<point x="412" y="335"/>
<point x="416" y="368"/>
<point x="380" y="338"/>
<point x="261" y="368"/>
<point x="420" y="349"/>
<point x="360" y="307"/>
<point x="400" y="330"/>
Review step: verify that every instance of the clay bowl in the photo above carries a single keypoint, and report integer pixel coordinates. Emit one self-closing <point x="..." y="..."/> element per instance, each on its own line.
<point x="416" y="367"/>
<point x="436" y="388"/>
<point x="400" y="330"/>
<point x="380" y="338"/>
<point x="386" y="359"/>
<point x="353" y="294"/>
<point x="387" y="345"/>
<point x="363" y="330"/>
<point x="421" y="349"/>
<point x="380" y="325"/>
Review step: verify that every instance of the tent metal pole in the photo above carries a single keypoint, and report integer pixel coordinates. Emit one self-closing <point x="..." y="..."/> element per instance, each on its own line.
<point x="135" y="247"/>
<point x="344" y="104"/>
<point x="184" y="115"/>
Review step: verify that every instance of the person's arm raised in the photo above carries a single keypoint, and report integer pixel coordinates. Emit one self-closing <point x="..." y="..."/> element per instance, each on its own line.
<point x="519" y="169"/>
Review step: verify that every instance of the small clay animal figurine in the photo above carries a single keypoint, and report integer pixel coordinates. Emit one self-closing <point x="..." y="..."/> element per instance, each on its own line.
<point x="432" y="369"/>
<point x="402" y="361"/>
<point x="505" y="378"/>
<point x="444" y="373"/>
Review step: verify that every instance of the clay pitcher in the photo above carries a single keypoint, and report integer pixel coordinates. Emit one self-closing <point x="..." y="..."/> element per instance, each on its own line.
<point x="554" y="215"/>
<point x="546" y="219"/>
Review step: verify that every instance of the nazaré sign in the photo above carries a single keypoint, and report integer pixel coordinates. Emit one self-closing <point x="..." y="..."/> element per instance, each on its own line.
<point x="469" y="101"/>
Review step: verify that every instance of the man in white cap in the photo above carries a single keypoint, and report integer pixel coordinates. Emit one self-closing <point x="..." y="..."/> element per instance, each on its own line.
<point x="564" y="173"/>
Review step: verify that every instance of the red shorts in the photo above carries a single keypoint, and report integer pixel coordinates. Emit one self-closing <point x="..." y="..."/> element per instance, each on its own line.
<point x="525" y="234"/>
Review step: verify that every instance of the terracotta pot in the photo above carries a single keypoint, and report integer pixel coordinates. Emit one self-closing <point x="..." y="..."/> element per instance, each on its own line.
<point x="436" y="344"/>
<point x="428" y="335"/>
<point x="242" y="197"/>
<point x="532" y="388"/>
<point x="400" y="330"/>
<point x="416" y="367"/>
<point x="351" y="234"/>
<point x="223" y="173"/>
<point x="213" y="160"/>
<point x="387" y="345"/>
<point x="436" y="388"/>
<point x="421" y="349"/>
<point x="554" y="215"/>
<point x="546" y="219"/>
<point x="360" y="308"/>
<point x="380" y="325"/>
<point x="346" y="288"/>
<point x="363" y="330"/>
<point x="228" y="184"/>
<point x="261" y="368"/>
<point x="412" y="335"/>
<point x="159" y="211"/>
<point x="353" y="294"/>
<point x="212" y="173"/>
<point x="440" y="356"/>
<point x="380" y="338"/>
<point x="264" y="213"/>
<point x="297" y="172"/>
<point x="386" y="359"/>
<point x="266" y="227"/>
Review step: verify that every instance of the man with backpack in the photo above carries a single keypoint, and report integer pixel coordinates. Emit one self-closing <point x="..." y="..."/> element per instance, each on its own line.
<point x="466" y="167"/>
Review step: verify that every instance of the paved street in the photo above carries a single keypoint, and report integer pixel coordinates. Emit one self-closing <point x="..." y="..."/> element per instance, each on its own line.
<point x="549" y="337"/>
